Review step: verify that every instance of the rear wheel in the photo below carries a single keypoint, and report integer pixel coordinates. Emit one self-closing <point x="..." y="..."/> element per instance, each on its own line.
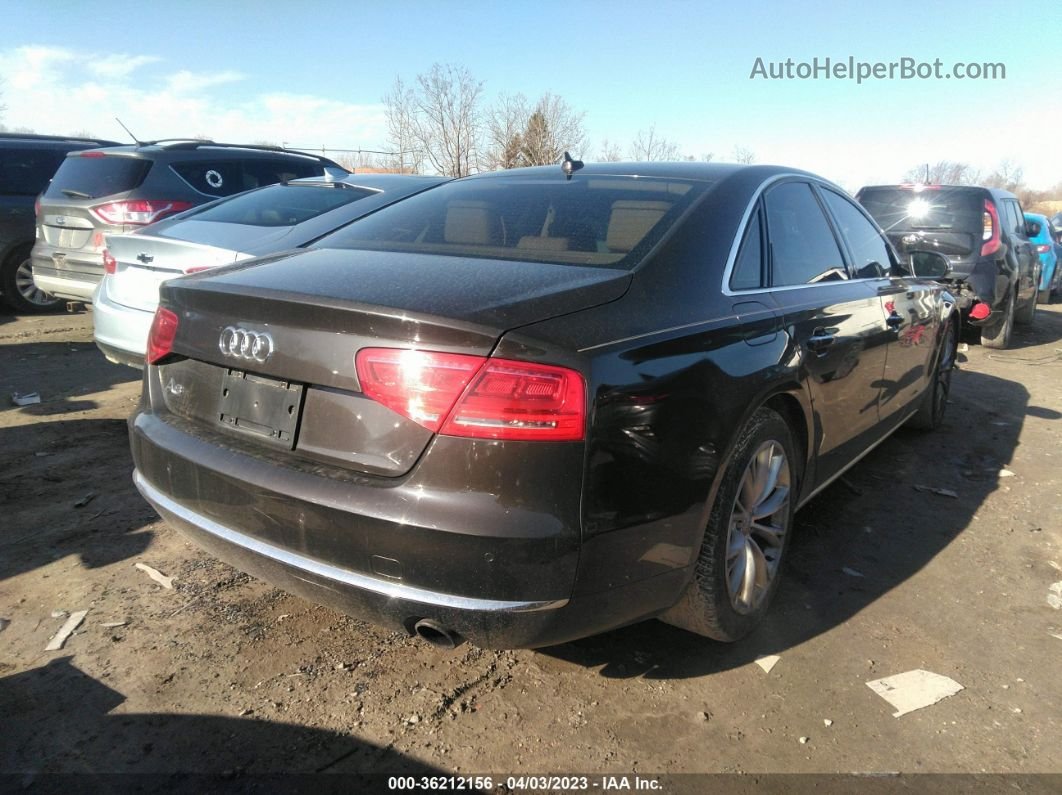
<point x="747" y="535"/>
<point x="997" y="334"/>
<point x="930" y="413"/>
<point x="16" y="281"/>
<point x="1027" y="314"/>
<point x="1045" y="296"/>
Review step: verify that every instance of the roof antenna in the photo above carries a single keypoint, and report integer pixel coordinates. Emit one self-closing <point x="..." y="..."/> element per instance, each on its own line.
<point x="569" y="166"/>
<point x="137" y="142"/>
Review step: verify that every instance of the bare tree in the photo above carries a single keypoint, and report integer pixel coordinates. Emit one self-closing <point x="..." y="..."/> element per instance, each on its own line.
<point x="506" y="122"/>
<point x="1008" y="176"/>
<point x="943" y="172"/>
<point x="610" y="152"/>
<point x="743" y="155"/>
<point x="522" y="135"/>
<point x="648" y="145"/>
<point x="401" y="129"/>
<point x="446" y="122"/>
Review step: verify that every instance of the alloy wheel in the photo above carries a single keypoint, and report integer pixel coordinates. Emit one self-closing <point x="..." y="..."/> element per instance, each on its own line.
<point x="30" y="291"/>
<point x="759" y="521"/>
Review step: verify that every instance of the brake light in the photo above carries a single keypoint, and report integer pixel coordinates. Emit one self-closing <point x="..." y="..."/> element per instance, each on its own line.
<point x="990" y="235"/>
<point x="138" y="211"/>
<point x="110" y="264"/>
<point x="91" y="153"/>
<point x="160" y="338"/>
<point x="1042" y="249"/>
<point x="197" y="268"/>
<point x="37" y="206"/>
<point x="476" y="396"/>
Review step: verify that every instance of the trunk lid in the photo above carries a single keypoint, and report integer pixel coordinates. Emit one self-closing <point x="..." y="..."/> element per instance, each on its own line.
<point x="144" y="262"/>
<point x="315" y="309"/>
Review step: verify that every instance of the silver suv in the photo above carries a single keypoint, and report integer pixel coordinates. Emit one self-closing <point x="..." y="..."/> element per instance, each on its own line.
<point x="122" y="188"/>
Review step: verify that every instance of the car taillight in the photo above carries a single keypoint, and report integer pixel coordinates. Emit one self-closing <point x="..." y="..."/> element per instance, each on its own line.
<point x="1043" y="249"/>
<point x="37" y="206"/>
<point x="476" y="396"/>
<point x="197" y="268"/>
<point x="991" y="229"/>
<point x="110" y="264"/>
<point x="92" y="153"/>
<point x="137" y="211"/>
<point x="161" y="336"/>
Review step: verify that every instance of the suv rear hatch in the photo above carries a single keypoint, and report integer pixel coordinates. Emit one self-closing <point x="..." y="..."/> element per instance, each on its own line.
<point x="296" y="393"/>
<point x="949" y="220"/>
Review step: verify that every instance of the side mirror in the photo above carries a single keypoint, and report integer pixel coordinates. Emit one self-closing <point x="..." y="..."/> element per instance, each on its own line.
<point x="929" y="264"/>
<point x="1032" y="228"/>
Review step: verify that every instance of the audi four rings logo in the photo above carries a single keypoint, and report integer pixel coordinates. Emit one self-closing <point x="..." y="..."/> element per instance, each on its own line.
<point x="241" y="343"/>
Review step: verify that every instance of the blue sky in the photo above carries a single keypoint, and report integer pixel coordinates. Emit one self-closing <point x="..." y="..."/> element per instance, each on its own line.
<point x="315" y="73"/>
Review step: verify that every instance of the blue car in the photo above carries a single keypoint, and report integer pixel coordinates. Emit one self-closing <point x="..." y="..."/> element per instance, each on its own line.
<point x="1044" y="242"/>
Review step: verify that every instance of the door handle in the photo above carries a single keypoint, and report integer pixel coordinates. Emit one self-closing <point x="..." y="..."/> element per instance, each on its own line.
<point x="820" y="340"/>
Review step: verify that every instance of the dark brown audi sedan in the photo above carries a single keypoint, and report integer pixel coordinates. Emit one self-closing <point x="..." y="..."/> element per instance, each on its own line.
<point x="533" y="405"/>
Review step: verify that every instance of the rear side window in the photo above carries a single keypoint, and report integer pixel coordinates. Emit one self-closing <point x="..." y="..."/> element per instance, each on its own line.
<point x="26" y="172"/>
<point x="870" y="254"/>
<point x="217" y="177"/>
<point x="93" y="177"/>
<point x="1015" y="219"/>
<point x="803" y="248"/>
<point x="748" y="267"/>
<point x="281" y="205"/>
<point x="587" y="220"/>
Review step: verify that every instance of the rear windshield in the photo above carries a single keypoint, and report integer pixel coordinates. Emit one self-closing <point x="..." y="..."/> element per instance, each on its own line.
<point x="904" y="209"/>
<point x="216" y="177"/>
<point x="82" y="177"/>
<point x="589" y="220"/>
<point x="280" y="205"/>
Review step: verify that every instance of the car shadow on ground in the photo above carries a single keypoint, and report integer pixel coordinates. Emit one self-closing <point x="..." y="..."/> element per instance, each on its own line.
<point x="875" y="522"/>
<point x="59" y="720"/>
<point x="60" y="373"/>
<point x="99" y="516"/>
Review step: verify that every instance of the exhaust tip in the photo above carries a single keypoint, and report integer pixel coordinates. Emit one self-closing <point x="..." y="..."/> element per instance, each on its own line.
<point x="437" y="635"/>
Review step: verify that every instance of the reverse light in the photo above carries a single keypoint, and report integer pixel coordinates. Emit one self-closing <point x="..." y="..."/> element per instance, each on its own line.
<point x="476" y="396"/>
<point x="160" y="338"/>
<point x="990" y="236"/>
<point x="137" y="211"/>
<point x="110" y="264"/>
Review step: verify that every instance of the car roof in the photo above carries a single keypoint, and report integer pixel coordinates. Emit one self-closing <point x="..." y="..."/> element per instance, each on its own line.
<point x="374" y="181"/>
<point x="186" y="149"/>
<point x="34" y="138"/>
<point x="713" y="172"/>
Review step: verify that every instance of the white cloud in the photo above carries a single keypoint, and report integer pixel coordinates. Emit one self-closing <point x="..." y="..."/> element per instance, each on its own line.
<point x="60" y="91"/>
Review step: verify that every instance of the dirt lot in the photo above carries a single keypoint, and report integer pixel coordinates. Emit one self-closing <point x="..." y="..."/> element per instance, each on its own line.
<point x="223" y="674"/>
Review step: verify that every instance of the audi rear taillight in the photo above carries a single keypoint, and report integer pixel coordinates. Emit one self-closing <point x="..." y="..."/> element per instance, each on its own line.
<point x="137" y="211"/>
<point x="160" y="338"/>
<point x="476" y="396"/>
<point x="110" y="264"/>
<point x="990" y="236"/>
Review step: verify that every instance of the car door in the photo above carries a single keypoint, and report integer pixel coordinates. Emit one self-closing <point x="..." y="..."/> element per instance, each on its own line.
<point x="834" y="321"/>
<point x="910" y="316"/>
<point x="1025" y="254"/>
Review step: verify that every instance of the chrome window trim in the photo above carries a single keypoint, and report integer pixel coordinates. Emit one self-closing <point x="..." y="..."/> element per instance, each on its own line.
<point x="392" y="590"/>
<point x="740" y="235"/>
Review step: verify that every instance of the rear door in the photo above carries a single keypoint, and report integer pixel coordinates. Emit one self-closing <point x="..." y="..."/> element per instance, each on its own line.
<point x="1025" y="257"/>
<point x="834" y="320"/>
<point x="909" y="317"/>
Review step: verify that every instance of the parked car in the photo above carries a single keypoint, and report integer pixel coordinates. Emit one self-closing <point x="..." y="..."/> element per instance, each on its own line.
<point x="27" y="162"/>
<point x="274" y="218"/>
<point x="992" y="267"/>
<point x="532" y="405"/>
<point x="1047" y="248"/>
<point x="116" y="190"/>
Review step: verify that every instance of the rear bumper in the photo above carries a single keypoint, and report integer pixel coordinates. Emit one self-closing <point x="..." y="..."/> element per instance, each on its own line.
<point x="501" y="575"/>
<point x="121" y="332"/>
<point x="76" y="279"/>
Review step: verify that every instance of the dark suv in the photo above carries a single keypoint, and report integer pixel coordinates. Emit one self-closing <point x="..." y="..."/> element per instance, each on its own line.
<point x="116" y="190"/>
<point x="27" y="162"/>
<point x="993" y="266"/>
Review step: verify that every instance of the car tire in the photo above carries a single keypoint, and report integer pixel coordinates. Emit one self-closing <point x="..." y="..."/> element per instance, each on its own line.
<point x="934" y="404"/>
<point x="997" y="335"/>
<point x="1026" y="315"/>
<point x="16" y="282"/>
<point x="741" y="557"/>
<point x="1045" y="296"/>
